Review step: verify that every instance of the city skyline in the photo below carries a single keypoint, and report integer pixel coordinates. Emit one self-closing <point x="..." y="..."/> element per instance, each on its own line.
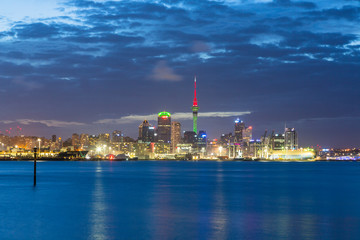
<point x="95" y="66"/>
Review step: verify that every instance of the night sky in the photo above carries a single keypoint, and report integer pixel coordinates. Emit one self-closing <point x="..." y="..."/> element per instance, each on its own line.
<point x="96" y="66"/>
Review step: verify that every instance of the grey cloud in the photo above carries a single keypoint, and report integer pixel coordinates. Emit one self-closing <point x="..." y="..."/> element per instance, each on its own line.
<point x="175" y="116"/>
<point x="27" y="84"/>
<point x="162" y="72"/>
<point x="48" y="123"/>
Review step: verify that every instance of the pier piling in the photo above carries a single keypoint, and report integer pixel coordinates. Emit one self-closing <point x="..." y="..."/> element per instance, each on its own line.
<point x="35" y="151"/>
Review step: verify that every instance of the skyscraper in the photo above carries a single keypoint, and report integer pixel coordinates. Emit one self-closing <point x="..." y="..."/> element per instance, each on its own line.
<point x="175" y="135"/>
<point x="190" y="137"/>
<point x="84" y="141"/>
<point x="146" y="132"/>
<point x="277" y="142"/>
<point x="195" y="109"/>
<point x="164" y="127"/>
<point x="247" y="134"/>
<point x="75" y="140"/>
<point x="291" y="139"/>
<point x="239" y="130"/>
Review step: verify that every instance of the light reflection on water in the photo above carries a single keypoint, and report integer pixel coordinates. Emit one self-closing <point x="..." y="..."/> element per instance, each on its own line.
<point x="98" y="210"/>
<point x="219" y="218"/>
<point x="180" y="200"/>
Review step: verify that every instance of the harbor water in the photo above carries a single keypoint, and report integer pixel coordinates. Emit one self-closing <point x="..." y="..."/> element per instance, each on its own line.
<point x="180" y="200"/>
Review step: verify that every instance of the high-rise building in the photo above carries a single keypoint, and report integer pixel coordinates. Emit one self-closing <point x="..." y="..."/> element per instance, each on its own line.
<point x="146" y="132"/>
<point x="116" y="136"/>
<point x="84" y="141"/>
<point x="164" y="127"/>
<point x="247" y="134"/>
<point x="239" y="130"/>
<point x="277" y="142"/>
<point x="93" y="140"/>
<point x="175" y="135"/>
<point x="226" y="138"/>
<point x="190" y="137"/>
<point x="53" y="138"/>
<point x="75" y="140"/>
<point x="201" y="142"/>
<point x="104" y="138"/>
<point x="195" y="109"/>
<point x="291" y="139"/>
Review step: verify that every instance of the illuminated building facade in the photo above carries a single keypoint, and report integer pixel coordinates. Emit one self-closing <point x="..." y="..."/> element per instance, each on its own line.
<point x="146" y="132"/>
<point x="291" y="139"/>
<point x="117" y="136"/>
<point x="93" y="140"/>
<point x="175" y="135"/>
<point x="226" y="138"/>
<point x="247" y="134"/>
<point x="195" y="109"/>
<point x="104" y="138"/>
<point x="239" y="130"/>
<point x="278" y="142"/>
<point x="190" y="137"/>
<point x="84" y="141"/>
<point x="201" y="142"/>
<point x="75" y="140"/>
<point x="164" y="127"/>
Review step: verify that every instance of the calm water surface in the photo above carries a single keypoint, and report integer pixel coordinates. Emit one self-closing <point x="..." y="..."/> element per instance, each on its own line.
<point x="180" y="200"/>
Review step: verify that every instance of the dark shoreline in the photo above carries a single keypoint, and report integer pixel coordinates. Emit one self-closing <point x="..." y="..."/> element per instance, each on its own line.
<point x="168" y="160"/>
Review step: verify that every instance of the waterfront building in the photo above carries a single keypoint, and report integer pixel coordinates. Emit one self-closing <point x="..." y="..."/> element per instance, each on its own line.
<point x="162" y="148"/>
<point x="291" y="139"/>
<point x="116" y="136"/>
<point x="255" y="149"/>
<point x="164" y="127"/>
<point x="141" y="150"/>
<point x="278" y="142"/>
<point x="175" y="135"/>
<point x="195" y="109"/>
<point x="146" y="132"/>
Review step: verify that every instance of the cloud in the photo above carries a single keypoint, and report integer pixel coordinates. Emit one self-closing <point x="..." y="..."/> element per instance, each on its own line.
<point x="299" y="4"/>
<point x="35" y="30"/>
<point x="29" y="85"/>
<point x="350" y="13"/>
<point x="175" y="116"/>
<point x="200" y="46"/>
<point x="266" y="39"/>
<point x="127" y="119"/>
<point x="162" y="72"/>
<point x="48" y="123"/>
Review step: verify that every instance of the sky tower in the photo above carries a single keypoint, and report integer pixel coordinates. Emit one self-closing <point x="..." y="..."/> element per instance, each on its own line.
<point x="195" y="109"/>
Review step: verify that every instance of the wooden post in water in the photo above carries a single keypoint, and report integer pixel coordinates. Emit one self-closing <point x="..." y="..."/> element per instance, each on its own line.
<point x="35" y="151"/>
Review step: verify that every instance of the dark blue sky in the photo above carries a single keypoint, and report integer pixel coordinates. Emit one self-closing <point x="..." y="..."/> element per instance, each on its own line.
<point x="95" y="66"/>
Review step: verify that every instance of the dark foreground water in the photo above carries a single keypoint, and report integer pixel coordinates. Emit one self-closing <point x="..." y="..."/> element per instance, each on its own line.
<point x="180" y="200"/>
